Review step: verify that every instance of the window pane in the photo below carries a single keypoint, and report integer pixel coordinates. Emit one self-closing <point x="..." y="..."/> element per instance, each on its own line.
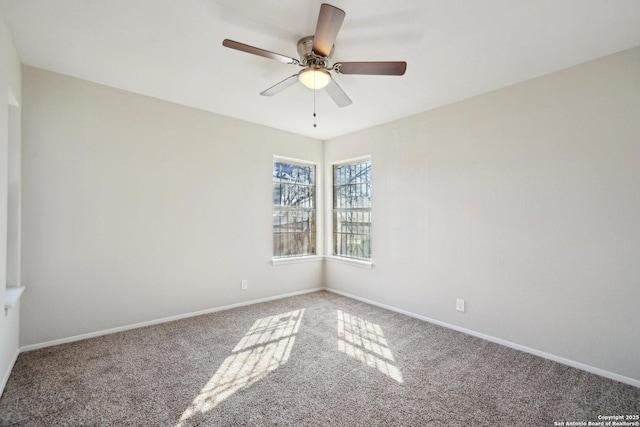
<point x="293" y="209"/>
<point x="352" y="210"/>
<point x="292" y="173"/>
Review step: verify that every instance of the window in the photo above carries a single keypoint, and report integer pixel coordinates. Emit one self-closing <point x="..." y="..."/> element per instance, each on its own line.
<point x="352" y="210"/>
<point x="294" y="209"/>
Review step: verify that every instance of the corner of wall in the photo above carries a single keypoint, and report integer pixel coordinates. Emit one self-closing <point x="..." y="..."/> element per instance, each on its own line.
<point x="10" y="96"/>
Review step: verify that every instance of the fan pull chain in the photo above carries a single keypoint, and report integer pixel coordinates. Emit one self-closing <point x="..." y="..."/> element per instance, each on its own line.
<point x="314" y="109"/>
<point x="314" y="101"/>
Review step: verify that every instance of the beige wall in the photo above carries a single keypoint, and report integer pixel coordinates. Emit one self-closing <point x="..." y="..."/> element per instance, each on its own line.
<point x="526" y="203"/>
<point x="137" y="209"/>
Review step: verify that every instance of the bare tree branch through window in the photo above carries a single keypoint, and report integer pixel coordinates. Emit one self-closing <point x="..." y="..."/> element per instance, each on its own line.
<point x="294" y="209"/>
<point x="352" y="210"/>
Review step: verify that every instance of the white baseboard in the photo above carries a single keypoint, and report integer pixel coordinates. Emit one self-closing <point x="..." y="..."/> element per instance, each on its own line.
<point x="6" y="375"/>
<point x="562" y="360"/>
<point x="158" y="321"/>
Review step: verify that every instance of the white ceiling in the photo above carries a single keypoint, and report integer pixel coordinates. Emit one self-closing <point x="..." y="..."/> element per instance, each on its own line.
<point x="455" y="49"/>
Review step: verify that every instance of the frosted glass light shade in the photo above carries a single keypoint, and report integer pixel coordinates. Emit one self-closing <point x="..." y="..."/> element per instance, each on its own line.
<point x="314" y="78"/>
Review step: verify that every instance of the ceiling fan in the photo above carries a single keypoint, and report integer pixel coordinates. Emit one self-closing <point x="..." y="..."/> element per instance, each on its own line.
<point x="315" y="52"/>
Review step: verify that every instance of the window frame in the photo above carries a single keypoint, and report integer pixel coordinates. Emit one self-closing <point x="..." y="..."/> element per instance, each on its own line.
<point x="329" y="199"/>
<point x="317" y="202"/>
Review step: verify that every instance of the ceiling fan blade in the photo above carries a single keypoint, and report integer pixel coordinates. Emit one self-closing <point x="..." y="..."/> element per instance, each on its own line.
<point x="279" y="87"/>
<point x="329" y="23"/>
<point x="337" y="94"/>
<point x="372" y="68"/>
<point x="260" y="52"/>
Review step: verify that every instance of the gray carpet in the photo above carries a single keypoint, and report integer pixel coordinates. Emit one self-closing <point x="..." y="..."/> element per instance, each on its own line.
<point x="314" y="359"/>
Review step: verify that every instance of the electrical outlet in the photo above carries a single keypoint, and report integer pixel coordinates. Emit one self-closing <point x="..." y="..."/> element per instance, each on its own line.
<point x="245" y="285"/>
<point x="460" y="304"/>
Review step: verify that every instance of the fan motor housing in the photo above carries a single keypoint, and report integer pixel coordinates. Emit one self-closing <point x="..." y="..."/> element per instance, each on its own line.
<point x="308" y="57"/>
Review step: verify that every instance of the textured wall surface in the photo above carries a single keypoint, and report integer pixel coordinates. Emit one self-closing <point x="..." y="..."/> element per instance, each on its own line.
<point x="137" y="209"/>
<point x="524" y="202"/>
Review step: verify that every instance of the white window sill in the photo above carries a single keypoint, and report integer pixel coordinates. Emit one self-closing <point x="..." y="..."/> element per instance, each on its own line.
<point x="350" y="261"/>
<point x="316" y="258"/>
<point x="11" y="297"/>
<point x="295" y="260"/>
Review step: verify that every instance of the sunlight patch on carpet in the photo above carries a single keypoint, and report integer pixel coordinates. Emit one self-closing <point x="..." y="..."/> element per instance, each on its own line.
<point x="262" y="350"/>
<point x="365" y="341"/>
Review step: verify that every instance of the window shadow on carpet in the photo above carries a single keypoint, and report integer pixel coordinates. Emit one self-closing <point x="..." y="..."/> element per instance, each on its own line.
<point x="365" y="341"/>
<point x="262" y="350"/>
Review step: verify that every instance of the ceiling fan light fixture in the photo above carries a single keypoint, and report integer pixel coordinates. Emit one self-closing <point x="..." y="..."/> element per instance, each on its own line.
<point x="315" y="52"/>
<point x="314" y="78"/>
